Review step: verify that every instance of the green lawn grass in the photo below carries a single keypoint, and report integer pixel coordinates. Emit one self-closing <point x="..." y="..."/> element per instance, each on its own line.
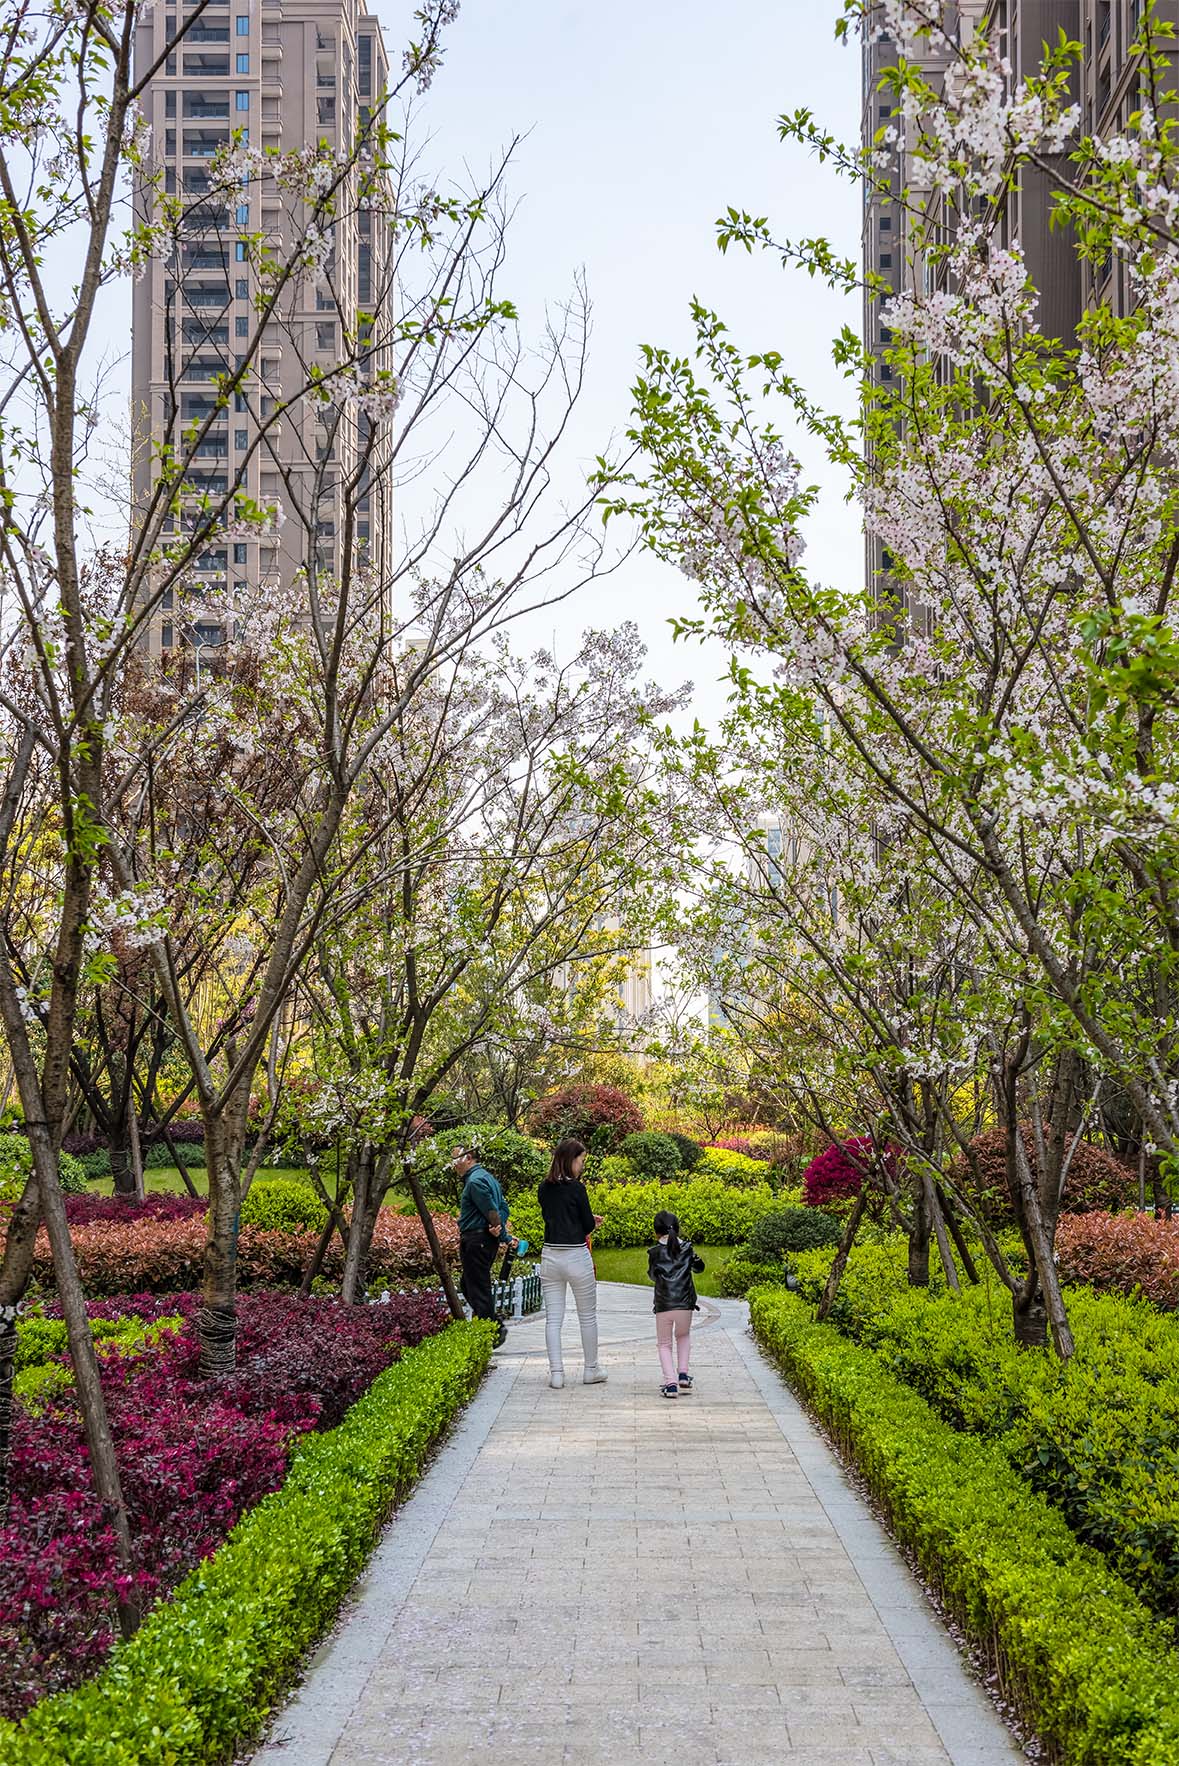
<point x="165" y="1180"/>
<point x="631" y="1266"/>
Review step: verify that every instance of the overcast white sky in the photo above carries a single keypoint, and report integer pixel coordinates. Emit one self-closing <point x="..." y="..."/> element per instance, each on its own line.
<point x="646" y="118"/>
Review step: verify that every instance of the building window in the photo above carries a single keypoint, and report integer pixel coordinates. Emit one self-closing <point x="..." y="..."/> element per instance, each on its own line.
<point x="885" y="371"/>
<point x="243" y="62"/>
<point x="241" y="101"/>
<point x="241" y="325"/>
<point x="170" y="65"/>
<point x="364" y="66"/>
<point x="885" y="334"/>
<point x="243" y="214"/>
<point x="166" y="636"/>
<point x="886" y="260"/>
<point x="169" y="104"/>
<point x="167" y="600"/>
<point x="325" y="337"/>
<point x="886" y="223"/>
<point x="239" y="250"/>
<point x="239" y="401"/>
<point x="241" y="441"/>
<point x="241" y="288"/>
<point x="243" y="24"/>
<point x="169" y="141"/>
<point x="239" y="548"/>
<point x="884" y="111"/>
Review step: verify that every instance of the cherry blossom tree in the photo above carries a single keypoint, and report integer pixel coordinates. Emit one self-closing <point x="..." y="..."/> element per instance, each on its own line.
<point x="1008" y="691"/>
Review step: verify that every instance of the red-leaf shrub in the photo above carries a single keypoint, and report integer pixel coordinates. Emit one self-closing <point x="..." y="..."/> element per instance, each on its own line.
<point x="599" y="1115"/>
<point x="1095" y="1178"/>
<point x="1122" y="1253"/>
<point x="143" y="1253"/>
<point x="88" y="1210"/>
<point x="192" y="1458"/>
<point x="837" y="1173"/>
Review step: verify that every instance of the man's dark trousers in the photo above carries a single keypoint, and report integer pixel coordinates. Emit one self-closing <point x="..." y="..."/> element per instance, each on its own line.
<point x="477" y="1253"/>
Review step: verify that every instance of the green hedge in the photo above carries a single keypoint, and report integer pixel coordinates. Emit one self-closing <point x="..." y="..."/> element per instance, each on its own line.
<point x="710" y="1212"/>
<point x="209" y="1665"/>
<point x="738" y="1274"/>
<point x="1076" y="1650"/>
<point x="283" y="1204"/>
<point x="1099" y="1438"/>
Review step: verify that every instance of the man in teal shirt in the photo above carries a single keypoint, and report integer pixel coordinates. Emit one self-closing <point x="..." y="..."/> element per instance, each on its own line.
<point x="483" y="1229"/>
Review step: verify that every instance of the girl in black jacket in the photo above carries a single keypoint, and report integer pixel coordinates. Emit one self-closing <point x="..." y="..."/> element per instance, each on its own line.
<point x="670" y="1263"/>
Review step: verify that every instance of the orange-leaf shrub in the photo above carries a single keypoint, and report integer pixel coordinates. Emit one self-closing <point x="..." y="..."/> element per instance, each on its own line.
<point x="1122" y="1252"/>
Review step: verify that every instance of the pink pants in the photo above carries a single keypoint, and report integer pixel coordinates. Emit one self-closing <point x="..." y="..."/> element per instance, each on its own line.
<point x="681" y="1324"/>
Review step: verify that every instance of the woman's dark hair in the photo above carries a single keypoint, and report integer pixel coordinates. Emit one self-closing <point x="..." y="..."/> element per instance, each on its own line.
<point x="667" y="1223"/>
<point x="564" y="1153"/>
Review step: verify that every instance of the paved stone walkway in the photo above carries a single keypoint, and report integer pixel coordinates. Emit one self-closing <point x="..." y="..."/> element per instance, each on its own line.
<point x="600" y="1575"/>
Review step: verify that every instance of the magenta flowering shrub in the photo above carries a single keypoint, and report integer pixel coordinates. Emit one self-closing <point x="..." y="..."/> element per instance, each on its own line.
<point x="837" y="1173"/>
<point x="192" y="1456"/>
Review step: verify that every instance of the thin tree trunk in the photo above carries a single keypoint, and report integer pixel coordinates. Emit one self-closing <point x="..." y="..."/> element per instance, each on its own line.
<point x="943" y="1243"/>
<point x="136" y="1153"/>
<point x="8" y="1316"/>
<point x="87" y="1380"/>
<point x="442" y="1268"/>
<point x="178" y="1162"/>
<point x="361" y="1228"/>
<point x="949" y="1215"/>
<point x="835" y="1274"/>
<point x="124" y="1179"/>
<point x="1048" y="1279"/>
<point x="919" y="1232"/>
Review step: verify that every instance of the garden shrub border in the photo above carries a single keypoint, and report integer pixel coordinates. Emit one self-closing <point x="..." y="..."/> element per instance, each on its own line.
<point x="208" y="1666"/>
<point x="1076" y="1651"/>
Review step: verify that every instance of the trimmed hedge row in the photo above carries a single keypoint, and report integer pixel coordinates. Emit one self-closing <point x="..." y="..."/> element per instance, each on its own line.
<point x="1125" y="1253"/>
<point x="710" y="1211"/>
<point x="207" y="1667"/>
<point x="1076" y="1650"/>
<point x="1098" y="1437"/>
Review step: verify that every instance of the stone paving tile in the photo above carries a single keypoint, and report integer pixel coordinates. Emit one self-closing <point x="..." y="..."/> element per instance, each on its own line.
<point x="617" y="1579"/>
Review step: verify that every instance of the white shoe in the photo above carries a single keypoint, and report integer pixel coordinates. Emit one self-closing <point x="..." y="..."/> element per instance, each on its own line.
<point x="594" y="1376"/>
<point x="556" y="1379"/>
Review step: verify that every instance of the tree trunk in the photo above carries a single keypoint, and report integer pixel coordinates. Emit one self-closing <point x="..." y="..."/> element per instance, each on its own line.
<point x="943" y="1243"/>
<point x="7" y="1364"/>
<point x="178" y="1162"/>
<point x="969" y="1268"/>
<point x="121" y="1163"/>
<point x="1030" y="1316"/>
<point x="1039" y="1231"/>
<point x="217" y="1318"/>
<point x="441" y="1266"/>
<point x="362" y="1225"/>
<point x="919" y="1233"/>
<point x="136" y="1154"/>
<point x="835" y="1274"/>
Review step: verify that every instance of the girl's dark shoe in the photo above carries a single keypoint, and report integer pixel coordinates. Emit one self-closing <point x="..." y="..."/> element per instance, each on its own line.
<point x="685" y="1382"/>
<point x="670" y="1391"/>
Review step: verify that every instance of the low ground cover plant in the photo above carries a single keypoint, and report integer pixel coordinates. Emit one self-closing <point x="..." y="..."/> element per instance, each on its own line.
<point x="1123" y="1254"/>
<point x="1077" y="1651"/>
<point x="193" y="1457"/>
<point x="1098" y="1436"/>
<point x="208" y="1665"/>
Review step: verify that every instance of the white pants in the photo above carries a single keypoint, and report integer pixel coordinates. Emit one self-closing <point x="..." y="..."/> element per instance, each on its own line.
<point x="572" y="1265"/>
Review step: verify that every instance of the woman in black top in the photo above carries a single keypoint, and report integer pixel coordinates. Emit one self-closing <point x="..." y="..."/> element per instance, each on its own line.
<point x="670" y="1264"/>
<point x="565" y="1259"/>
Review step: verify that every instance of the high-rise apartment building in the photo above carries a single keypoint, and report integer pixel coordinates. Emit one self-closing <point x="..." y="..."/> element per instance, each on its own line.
<point x="272" y="74"/>
<point x="1110" y="86"/>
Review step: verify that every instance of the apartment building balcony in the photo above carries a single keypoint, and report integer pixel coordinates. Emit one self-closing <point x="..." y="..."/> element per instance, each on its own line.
<point x="214" y="447"/>
<point x="204" y="368"/>
<point x="205" y="294"/>
<point x="204" y="143"/>
<point x="204" y="31"/>
<point x="206" y="106"/>
<point x="203" y="335"/>
<point x="206" y="66"/>
<point x="195" y="260"/>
